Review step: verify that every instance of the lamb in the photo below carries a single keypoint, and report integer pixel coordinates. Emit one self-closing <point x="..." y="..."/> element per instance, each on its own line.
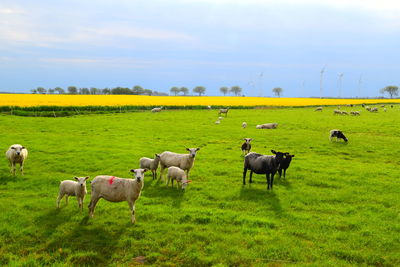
<point x="150" y="164"/>
<point x="115" y="189"/>
<point x="73" y="188"/>
<point x="183" y="161"/>
<point x="267" y="126"/>
<point x="318" y="109"/>
<point x="285" y="164"/>
<point x="175" y="173"/>
<point x="16" y="154"/>
<point x="262" y="164"/>
<point x="157" y="109"/>
<point x="223" y="111"/>
<point x="246" y="146"/>
<point x="244" y="124"/>
<point x="338" y="134"/>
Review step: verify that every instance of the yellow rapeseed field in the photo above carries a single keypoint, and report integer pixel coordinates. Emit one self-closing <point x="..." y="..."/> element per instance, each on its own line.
<point x="26" y="100"/>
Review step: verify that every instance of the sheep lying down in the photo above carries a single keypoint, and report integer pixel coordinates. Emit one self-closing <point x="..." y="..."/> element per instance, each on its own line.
<point x="267" y="126"/>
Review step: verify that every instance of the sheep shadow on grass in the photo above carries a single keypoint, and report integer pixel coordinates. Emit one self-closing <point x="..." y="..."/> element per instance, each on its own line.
<point x="262" y="197"/>
<point x="160" y="193"/>
<point x="5" y="179"/>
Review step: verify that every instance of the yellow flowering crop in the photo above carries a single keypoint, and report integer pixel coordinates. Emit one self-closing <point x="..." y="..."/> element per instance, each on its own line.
<point x="27" y="100"/>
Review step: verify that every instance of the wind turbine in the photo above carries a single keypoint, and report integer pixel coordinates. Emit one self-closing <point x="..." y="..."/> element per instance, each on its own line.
<point x="340" y="76"/>
<point x="320" y="81"/>
<point x="359" y="87"/>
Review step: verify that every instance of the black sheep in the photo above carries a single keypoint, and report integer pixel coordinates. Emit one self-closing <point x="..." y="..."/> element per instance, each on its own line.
<point x="285" y="164"/>
<point x="338" y="134"/>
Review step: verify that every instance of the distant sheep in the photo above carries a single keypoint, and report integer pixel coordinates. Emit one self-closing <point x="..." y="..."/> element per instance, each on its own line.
<point x="175" y="173"/>
<point x="16" y="154"/>
<point x="116" y="189"/>
<point x="150" y="164"/>
<point x="220" y="118"/>
<point x="336" y="111"/>
<point x="344" y="113"/>
<point x="355" y="113"/>
<point x="338" y="134"/>
<point x="375" y="109"/>
<point x="183" y="161"/>
<point x="385" y="109"/>
<point x="223" y="111"/>
<point x="318" y="109"/>
<point x="285" y="164"/>
<point x="382" y="106"/>
<point x="209" y="107"/>
<point x="157" y="109"/>
<point x="73" y="188"/>
<point x="262" y="164"/>
<point x="244" y="124"/>
<point x="218" y="122"/>
<point x="267" y="126"/>
<point x="246" y="146"/>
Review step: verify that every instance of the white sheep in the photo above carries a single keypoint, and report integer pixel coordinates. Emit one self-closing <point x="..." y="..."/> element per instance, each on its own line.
<point x="318" y="109"/>
<point x="244" y="124"/>
<point x="175" y="173"/>
<point x="220" y="118"/>
<point x="385" y="109"/>
<point x="16" y="154"/>
<point x="73" y="188"/>
<point x="150" y="164"/>
<point x="156" y="109"/>
<point x="209" y="107"/>
<point x="183" y="161"/>
<point x="344" y="113"/>
<point x="336" y="111"/>
<point x="355" y="113"/>
<point x="267" y="126"/>
<point x="116" y="189"/>
<point x="375" y="109"/>
<point x="218" y="122"/>
<point x="223" y="111"/>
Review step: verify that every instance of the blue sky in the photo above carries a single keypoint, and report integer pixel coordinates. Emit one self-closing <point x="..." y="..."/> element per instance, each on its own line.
<point x="256" y="44"/>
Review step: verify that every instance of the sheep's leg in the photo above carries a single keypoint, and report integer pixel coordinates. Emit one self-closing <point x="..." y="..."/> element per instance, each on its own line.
<point x="80" y="202"/>
<point x="21" y="168"/>
<point x="132" y="207"/>
<point x="66" y="199"/>
<point x="13" y="168"/>
<point x="280" y="173"/>
<point x="244" y="175"/>
<point x="284" y="173"/>
<point x="167" y="181"/>
<point x="251" y="177"/>
<point x="187" y="174"/>
<point x="161" y="171"/>
<point x="272" y="179"/>
<point x="92" y="205"/>
<point x="60" y="196"/>
<point x="268" y="181"/>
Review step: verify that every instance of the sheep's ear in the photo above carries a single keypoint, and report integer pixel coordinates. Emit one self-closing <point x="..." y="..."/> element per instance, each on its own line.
<point x="87" y="177"/>
<point x="76" y="178"/>
<point x="23" y="147"/>
<point x="187" y="149"/>
<point x="292" y="156"/>
<point x="12" y="147"/>
<point x="145" y="170"/>
<point x="197" y="149"/>
<point x="273" y="151"/>
<point x="133" y="170"/>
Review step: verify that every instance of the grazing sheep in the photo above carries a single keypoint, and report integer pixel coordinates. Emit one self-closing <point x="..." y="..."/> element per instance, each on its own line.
<point x="375" y="109"/>
<point x="262" y="164"/>
<point x="363" y="105"/>
<point x="267" y="126"/>
<point x="355" y="113"/>
<point x="285" y="164"/>
<point x="338" y="134"/>
<point x="336" y="111"/>
<point x="209" y="107"/>
<point x="116" y="189"/>
<point x="175" y="173"/>
<point x="244" y="124"/>
<point x="183" y="161"/>
<point x="218" y="122"/>
<point x="73" y="188"/>
<point x="150" y="164"/>
<point x="16" y="154"/>
<point x="318" y="109"/>
<point x="344" y="113"/>
<point x="391" y="106"/>
<point x="382" y="106"/>
<point x="223" y="111"/>
<point x="220" y="118"/>
<point x="368" y="108"/>
<point x="157" y="109"/>
<point x="246" y="146"/>
<point x="385" y="109"/>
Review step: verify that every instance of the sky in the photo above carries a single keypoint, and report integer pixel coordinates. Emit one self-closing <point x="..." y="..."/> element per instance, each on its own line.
<point x="158" y="44"/>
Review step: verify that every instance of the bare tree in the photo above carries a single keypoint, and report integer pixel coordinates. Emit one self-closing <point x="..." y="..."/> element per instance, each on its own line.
<point x="277" y="91"/>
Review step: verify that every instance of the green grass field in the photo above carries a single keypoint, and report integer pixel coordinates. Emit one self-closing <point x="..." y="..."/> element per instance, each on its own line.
<point x="338" y="206"/>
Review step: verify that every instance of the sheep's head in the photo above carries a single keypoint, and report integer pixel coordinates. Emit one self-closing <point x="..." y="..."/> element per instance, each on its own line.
<point x="341" y="135"/>
<point x="192" y="151"/>
<point x="288" y="157"/>
<point x="81" y="180"/>
<point x="248" y="140"/>
<point x="185" y="182"/>
<point x="139" y="174"/>
<point x="156" y="156"/>
<point x="279" y="156"/>
<point x="17" y="149"/>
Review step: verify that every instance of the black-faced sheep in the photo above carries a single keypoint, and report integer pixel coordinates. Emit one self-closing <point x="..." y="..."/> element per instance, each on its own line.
<point x="262" y="164"/>
<point x="246" y="146"/>
<point x="285" y="164"/>
<point x="338" y="134"/>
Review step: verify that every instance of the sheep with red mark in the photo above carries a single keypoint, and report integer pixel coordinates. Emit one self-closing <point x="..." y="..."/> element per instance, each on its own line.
<point x="73" y="188"/>
<point x="16" y="154"/>
<point x="115" y="189"/>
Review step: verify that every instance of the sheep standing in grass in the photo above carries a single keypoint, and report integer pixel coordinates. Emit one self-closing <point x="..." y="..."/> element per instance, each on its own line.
<point x="175" y="173"/>
<point x="246" y="146"/>
<point x="344" y="113"/>
<point x="385" y="109"/>
<point x="73" y="188"/>
<point x="183" y="161"/>
<point x="375" y="109"/>
<point x="318" y="109"/>
<point x="262" y="164"/>
<point x="223" y="111"/>
<point x="16" y="154"/>
<point x="338" y="134"/>
<point x="116" y="189"/>
<point x="355" y="113"/>
<point x="336" y="111"/>
<point x="150" y="164"/>
<point x="267" y="126"/>
<point x="156" y="109"/>
<point x="285" y="164"/>
<point x="244" y="124"/>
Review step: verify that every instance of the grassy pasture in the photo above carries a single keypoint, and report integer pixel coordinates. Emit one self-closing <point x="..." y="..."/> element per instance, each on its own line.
<point x="338" y="206"/>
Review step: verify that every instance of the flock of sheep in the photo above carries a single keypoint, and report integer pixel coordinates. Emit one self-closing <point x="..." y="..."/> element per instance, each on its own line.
<point x="115" y="189"/>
